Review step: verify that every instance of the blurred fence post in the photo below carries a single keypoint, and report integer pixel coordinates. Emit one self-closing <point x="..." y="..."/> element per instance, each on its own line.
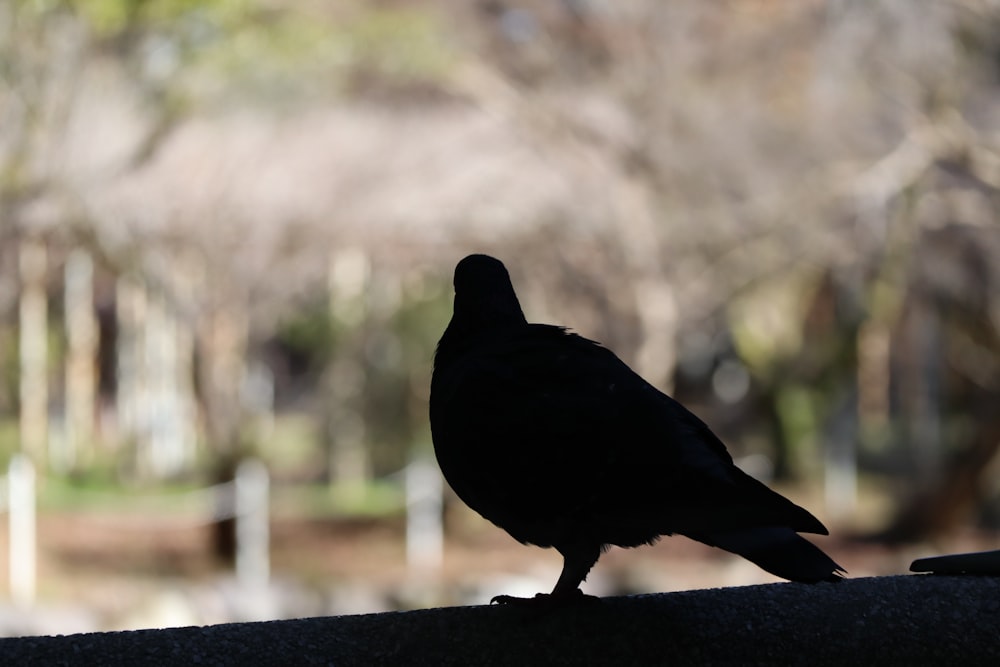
<point x="21" y="504"/>
<point x="252" y="533"/>
<point x="424" y="529"/>
<point x="841" y="459"/>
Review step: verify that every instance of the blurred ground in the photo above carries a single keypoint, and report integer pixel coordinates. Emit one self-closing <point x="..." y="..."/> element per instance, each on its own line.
<point x="109" y="571"/>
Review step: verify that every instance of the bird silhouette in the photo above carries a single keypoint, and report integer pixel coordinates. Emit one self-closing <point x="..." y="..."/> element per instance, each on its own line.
<point x="553" y="438"/>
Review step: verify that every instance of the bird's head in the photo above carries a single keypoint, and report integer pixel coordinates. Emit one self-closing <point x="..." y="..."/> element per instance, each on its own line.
<point x="484" y="296"/>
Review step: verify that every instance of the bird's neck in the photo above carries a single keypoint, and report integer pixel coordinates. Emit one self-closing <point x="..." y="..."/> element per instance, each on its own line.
<point x="464" y="334"/>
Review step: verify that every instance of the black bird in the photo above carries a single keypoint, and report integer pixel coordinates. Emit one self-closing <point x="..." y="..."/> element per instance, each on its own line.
<point x="553" y="438"/>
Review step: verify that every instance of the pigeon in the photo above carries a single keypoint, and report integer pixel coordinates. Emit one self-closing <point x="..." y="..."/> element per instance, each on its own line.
<point x="553" y="438"/>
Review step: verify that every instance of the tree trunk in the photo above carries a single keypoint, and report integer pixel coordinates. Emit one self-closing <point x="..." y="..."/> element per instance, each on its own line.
<point x="33" y="351"/>
<point x="81" y="367"/>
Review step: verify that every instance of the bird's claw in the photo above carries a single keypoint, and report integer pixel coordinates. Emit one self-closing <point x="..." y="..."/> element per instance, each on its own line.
<point x="543" y="599"/>
<point x="514" y="600"/>
<point x="506" y="599"/>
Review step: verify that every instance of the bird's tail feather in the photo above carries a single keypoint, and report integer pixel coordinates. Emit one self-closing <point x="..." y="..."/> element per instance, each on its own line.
<point x="777" y="549"/>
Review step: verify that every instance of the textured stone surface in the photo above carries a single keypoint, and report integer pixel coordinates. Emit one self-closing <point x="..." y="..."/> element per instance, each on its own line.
<point x="925" y="620"/>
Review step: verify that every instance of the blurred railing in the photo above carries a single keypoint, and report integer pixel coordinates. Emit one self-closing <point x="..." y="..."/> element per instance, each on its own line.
<point x="246" y="499"/>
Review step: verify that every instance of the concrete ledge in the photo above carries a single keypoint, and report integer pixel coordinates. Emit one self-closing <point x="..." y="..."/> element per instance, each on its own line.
<point x="911" y="620"/>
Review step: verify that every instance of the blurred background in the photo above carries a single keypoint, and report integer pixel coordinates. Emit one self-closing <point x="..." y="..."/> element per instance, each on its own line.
<point x="227" y="233"/>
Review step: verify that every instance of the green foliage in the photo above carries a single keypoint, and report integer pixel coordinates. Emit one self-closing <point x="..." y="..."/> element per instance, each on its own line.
<point x="401" y="43"/>
<point x="763" y="333"/>
<point x="297" y="455"/>
<point x="10" y="441"/>
<point x="379" y="498"/>
<point x="422" y="316"/>
<point x="252" y="47"/>
<point x="110" y="18"/>
<point x="298" y="55"/>
<point x="309" y="336"/>
<point x="106" y="17"/>
<point x="9" y="373"/>
<point x="398" y="392"/>
<point x="797" y="412"/>
<point x="798" y="416"/>
<point x="394" y="351"/>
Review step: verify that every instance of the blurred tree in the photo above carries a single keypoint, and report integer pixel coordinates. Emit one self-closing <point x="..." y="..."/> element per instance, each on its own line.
<point x="751" y="143"/>
<point x="33" y="346"/>
<point x="735" y="189"/>
<point x="946" y="358"/>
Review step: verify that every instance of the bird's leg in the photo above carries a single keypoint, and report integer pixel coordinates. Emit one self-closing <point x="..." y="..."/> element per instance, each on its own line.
<point x="577" y="561"/>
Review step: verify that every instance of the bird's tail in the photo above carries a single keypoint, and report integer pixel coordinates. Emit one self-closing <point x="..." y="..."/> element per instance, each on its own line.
<point x="777" y="549"/>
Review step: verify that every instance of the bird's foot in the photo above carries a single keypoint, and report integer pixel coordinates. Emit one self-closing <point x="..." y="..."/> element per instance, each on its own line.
<point x="545" y="600"/>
